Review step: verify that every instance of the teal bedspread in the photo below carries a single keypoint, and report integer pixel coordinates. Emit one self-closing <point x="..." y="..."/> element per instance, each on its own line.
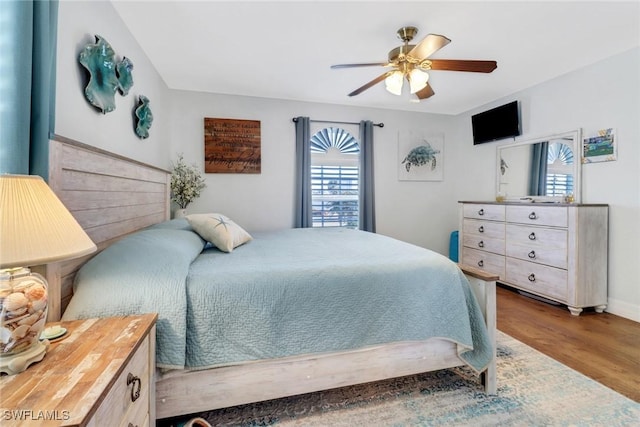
<point x="143" y="273"/>
<point x="284" y="293"/>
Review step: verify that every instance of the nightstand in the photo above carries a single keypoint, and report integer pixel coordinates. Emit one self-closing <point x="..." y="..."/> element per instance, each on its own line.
<point x="100" y="373"/>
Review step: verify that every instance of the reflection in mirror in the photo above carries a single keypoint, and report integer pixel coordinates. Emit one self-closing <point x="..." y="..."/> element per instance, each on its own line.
<point x="544" y="169"/>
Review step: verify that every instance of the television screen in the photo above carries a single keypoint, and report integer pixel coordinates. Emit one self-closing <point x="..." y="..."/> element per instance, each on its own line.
<point x="497" y="123"/>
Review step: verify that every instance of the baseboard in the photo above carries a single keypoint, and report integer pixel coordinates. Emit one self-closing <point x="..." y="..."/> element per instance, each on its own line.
<point x="623" y="309"/>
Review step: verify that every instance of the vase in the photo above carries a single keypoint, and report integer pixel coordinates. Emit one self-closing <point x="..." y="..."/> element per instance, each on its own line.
<point x="23" y="298"/>
<point x="180" y="213"/>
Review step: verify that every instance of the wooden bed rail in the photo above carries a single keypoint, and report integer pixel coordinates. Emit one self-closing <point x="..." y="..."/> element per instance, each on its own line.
<point x="483" y="285"/>
<point x="478" y="274"/>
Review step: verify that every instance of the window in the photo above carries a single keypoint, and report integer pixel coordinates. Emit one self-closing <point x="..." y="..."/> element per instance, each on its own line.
<point x="335" y="168"/>
<point x="559" y="170"/>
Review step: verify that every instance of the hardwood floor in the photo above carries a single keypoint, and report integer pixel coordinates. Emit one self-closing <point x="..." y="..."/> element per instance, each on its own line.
<point x="601" y="346"/>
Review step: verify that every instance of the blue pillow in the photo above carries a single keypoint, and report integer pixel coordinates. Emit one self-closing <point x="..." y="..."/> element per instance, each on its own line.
<point x="174" y="224"/>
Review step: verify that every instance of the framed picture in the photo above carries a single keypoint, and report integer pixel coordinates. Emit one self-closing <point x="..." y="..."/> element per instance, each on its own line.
<point x="232" y="146"/>
<point x="600" y="148"/>
<point x="420" y="156"/>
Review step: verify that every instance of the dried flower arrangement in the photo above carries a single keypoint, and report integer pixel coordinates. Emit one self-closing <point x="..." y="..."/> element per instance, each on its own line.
<point x="186" y="183"/>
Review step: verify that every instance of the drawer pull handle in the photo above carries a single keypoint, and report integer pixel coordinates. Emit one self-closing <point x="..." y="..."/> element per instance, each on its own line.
<point x="135" y="391"/>
<point x="131" y="425"/>
<point x="533" y="215"/>
<point x="481" y="263"/>
<point x="532" y="236"/>
<point x="532" y="254"/>
<point x="481" y="244"/>
<point x="481" y="229"/>
<point x="532" y="277"/>
<point x="481" y="212"/>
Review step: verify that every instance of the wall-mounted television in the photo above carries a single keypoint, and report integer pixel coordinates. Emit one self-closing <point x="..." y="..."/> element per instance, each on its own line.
<point x="498" y="123"/>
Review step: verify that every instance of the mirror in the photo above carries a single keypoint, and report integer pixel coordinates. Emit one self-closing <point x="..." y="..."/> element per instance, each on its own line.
<point x="545" y="169"/>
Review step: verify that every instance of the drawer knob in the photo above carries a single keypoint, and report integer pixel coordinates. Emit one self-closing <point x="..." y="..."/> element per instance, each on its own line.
<point x="532" y="254"/>
<point x="135" y="391"/>
<point x="481" y="263"/>
<point x="481" y="244"/>
<point x="481" y="229"/>
<point x="532" y="277"/>
<point x="533" y="215"/>
<point x="532" y="236"/>
<point x="481" y="212"/>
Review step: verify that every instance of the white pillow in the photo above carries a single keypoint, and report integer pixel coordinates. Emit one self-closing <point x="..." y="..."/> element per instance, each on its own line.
<point x="219" y="230"/>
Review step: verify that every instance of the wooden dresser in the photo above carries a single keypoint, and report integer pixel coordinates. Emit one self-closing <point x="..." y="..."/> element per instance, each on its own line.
<point x="100" y="373"/>
<point x="556" y="251"/>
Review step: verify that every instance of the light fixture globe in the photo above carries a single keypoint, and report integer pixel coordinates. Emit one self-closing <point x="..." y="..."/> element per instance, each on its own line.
<point x="394" y="81"/>
<point x="417" y="80"/>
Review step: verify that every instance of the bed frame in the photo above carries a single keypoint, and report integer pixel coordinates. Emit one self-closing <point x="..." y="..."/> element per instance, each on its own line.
<point x="112" y="196"/>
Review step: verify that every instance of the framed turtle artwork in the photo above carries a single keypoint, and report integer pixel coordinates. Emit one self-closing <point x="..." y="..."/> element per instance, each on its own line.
<point x="420" y="156"/>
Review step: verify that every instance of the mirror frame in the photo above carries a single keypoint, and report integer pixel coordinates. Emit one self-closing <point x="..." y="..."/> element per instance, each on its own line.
<point x="575" y="144"/>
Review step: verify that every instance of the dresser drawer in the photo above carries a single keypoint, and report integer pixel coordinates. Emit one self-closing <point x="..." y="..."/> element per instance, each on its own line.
<point x="118" y="407"/>
<point x="482" y="211"/>
<point x="488" y="229"/>
<point x="488" y="244"/>
<point x="138" y="416"/>
<point x="553" y="216"/>
<point x="491" y="263"/>
<point x="541" y="245"/>
<point x="539" y="279"/>
<point x="548" y="256"/>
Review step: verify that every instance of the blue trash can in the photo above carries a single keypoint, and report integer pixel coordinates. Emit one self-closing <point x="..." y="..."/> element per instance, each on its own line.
<point x="453" y="246"/>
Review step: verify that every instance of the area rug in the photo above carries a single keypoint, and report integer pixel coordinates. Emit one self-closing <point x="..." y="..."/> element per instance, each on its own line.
<point x="533" y="390"/>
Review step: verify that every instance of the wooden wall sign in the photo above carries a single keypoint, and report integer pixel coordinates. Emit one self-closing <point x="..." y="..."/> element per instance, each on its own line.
<point x="231" y="146"/>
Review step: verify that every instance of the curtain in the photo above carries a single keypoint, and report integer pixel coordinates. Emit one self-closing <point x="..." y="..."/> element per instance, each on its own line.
<point x="28" y="32"/>
<point x="538" y="176"/>
<point x="367" y="203"/>
<point x="303" y="173"/>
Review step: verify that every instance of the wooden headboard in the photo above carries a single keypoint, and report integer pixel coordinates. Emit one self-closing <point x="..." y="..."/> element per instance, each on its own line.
<point x="109" y="195"/>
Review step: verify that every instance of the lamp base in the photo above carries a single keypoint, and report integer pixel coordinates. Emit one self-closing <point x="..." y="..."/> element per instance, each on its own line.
<point x="16" y="363"/>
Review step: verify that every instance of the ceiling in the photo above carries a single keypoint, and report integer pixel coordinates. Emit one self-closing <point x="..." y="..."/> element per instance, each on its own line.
<point x="284" y="49"/>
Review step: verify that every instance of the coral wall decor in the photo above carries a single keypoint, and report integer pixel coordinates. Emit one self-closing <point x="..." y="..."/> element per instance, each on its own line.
<point x="125" y="79"/>
<point x="106" y="76"/>
<point x="144" y="117"/>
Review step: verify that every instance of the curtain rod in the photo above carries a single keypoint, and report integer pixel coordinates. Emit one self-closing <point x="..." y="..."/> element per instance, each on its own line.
<point x="381" y="125"/>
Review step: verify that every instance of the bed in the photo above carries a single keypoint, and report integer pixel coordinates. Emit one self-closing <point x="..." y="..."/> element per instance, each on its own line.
<point x="289" y="312"/>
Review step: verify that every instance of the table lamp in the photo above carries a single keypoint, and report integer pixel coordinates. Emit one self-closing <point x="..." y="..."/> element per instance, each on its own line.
<point x="35" y="229"/>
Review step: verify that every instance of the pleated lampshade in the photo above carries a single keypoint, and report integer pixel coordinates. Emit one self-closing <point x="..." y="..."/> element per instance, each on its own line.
<point x="35" y="227"/>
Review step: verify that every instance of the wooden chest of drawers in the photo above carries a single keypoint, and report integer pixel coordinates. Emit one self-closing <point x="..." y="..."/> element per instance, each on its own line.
<point x="555" y="251"/>
<point x="101" y="373"/>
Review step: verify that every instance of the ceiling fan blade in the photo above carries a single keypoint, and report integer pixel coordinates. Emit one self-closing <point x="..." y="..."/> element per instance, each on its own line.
<point x="425" y="92"/>
<point x="373" y="82"/>
<point x="368" y="64"/>
<point x="463" y="65"/>
<point x="428" y="46"/>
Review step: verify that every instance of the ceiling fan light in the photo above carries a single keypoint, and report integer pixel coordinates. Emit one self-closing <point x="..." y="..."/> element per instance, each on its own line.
<point x="418" y="80"/>
<point x="393" y="82"/>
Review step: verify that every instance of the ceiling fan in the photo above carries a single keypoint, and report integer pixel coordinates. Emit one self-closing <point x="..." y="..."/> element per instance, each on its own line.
<point x="411" y="62"/>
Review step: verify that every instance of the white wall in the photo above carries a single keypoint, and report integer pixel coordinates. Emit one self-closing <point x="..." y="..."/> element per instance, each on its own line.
<point x="76" y="118"/>
<point x="418" y="212"/>
<point x="603" y="95"/>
